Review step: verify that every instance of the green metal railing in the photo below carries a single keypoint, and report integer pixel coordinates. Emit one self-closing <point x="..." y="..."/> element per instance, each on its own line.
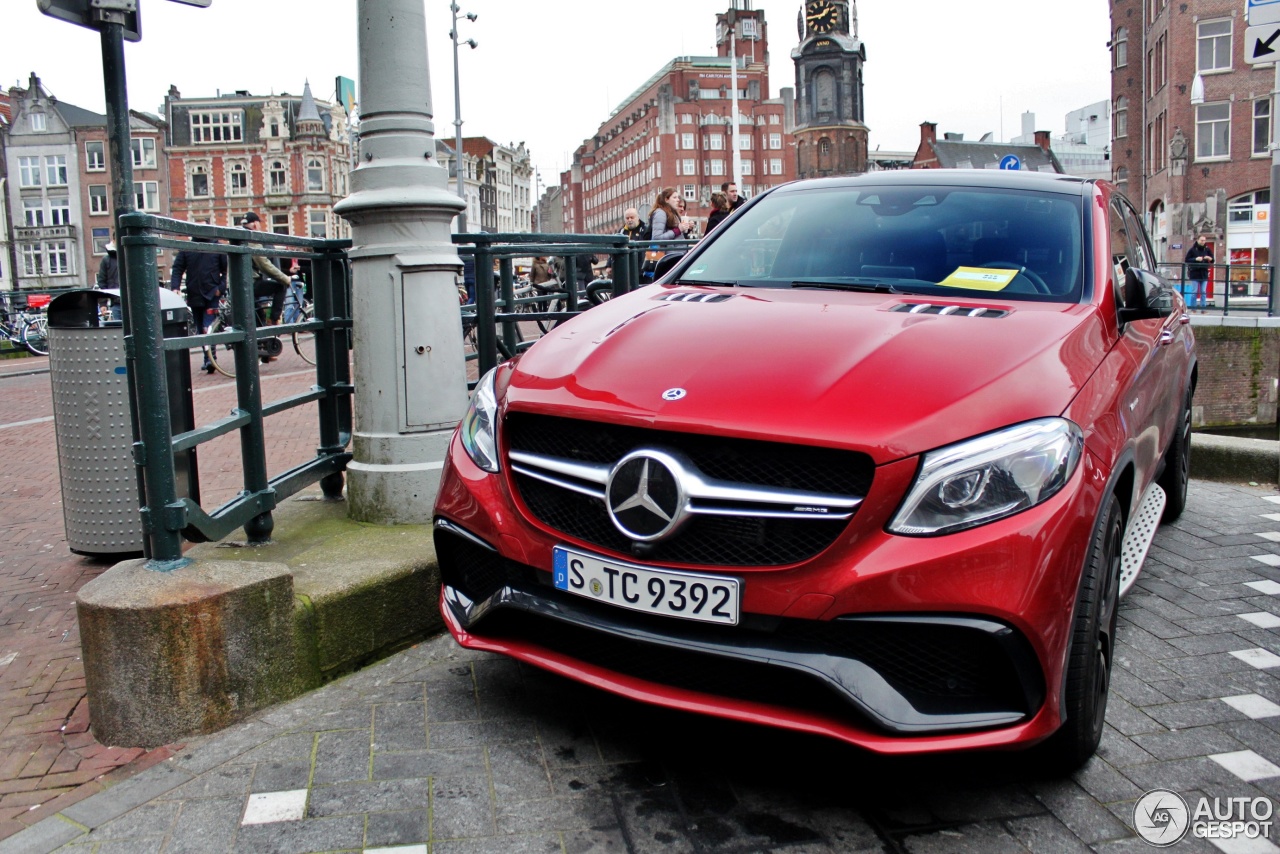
<point x="1248" y="285"/>
<point x="166" y="518"/>
<point x="625" y="258"/>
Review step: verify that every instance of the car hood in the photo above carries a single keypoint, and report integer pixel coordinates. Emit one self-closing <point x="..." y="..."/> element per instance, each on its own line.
<point x="817" y="367"/>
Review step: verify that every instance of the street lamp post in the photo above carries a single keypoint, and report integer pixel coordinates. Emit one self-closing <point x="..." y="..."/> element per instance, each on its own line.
<point x="457" y="108"/>
<point x="733" y="85"/>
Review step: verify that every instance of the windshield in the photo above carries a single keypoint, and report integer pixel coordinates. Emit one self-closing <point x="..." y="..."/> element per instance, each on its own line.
<point x="1016" y="244"/>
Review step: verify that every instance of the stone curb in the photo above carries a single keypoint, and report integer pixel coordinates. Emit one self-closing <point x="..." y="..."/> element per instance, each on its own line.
<point x="1231" y="459"/>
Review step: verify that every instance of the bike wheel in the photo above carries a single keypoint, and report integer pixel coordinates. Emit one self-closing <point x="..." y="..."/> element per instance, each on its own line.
<point x="304" y="343"/>
<point x="221" y="356"/>
<point x="35" y="336"/>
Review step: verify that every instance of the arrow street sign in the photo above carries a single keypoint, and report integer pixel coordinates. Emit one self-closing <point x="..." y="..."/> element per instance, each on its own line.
<point x="1262" y="44"/>
<point x="1261" y="12"/>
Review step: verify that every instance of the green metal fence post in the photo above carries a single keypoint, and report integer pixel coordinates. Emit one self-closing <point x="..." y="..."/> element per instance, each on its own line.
<point x="162" y="515"/>
<point x="486" y="334"/>
<point x="327" y="351"/>
<point x="510" y="329"/>
<point x="620" y="261"/>
<point x="253" y="446"/>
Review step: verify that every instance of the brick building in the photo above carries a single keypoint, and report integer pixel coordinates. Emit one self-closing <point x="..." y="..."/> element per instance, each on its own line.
<point x="676" y="130"/>
<point x="286" y="157"/>
<point x="953" y="151"/>
<point x="59" y="189"/>
<point x="497" y="182"/>
<point x="830" y="129"/>
<point x="1194" y="167"/>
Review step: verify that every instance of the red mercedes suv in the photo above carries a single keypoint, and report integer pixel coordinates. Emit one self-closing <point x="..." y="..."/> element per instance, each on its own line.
<point x="877" y="460"/>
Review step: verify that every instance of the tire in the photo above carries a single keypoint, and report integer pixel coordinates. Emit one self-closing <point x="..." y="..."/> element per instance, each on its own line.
<point x="599" y="292"/>
<point x="1089" y="662"/>
<point x="1177" y="466"/>
<point x="35" y="336"/>
<point x="223" y="357"/>
<point x="304" y="343"/>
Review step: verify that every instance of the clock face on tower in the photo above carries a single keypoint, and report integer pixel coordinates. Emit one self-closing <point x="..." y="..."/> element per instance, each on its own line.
<point x="821" y="15"/>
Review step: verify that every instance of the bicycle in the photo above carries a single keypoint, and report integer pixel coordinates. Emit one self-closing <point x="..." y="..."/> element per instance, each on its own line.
<point x="29" y="330"/>
<point x="298" y="309"/>
<point x="222" y="357"/>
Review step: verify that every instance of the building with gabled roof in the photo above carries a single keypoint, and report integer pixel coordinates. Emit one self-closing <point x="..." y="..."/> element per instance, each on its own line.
<point x="954" y="152"/>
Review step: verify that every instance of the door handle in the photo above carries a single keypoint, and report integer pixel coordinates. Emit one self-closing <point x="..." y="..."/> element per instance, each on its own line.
<point x="1166" y="336"/>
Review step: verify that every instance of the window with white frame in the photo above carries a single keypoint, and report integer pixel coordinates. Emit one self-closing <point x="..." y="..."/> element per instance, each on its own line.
<point x="1213" y="45"/>
<point x="146" y="195"/>
<point x="144" y="152"/>
<point x="319" y="224"/>
<point x="1120" y="48"/>
<point x="690" y="167"/>
<point x="1261" y="126"/>
<point x="98" y="203"/>
<point x="32" y="259"/>
<point x="239" y="178"/>
<point x="33" y="213"/>
<point x="199" y="180"/>
<point x="686" y="118"/>
<point x="37" y="121"/>
<point x="60" y="211"/>
<point x="744" y="142"/>
<point x="1213" y="131"/>
<point x="746" y="167"/>
<point x="717" y="167"/>
<point x="775" y="119"/>
<point x="1121" y="116"/>
<point x="101" y="237"/>
<point x="57" y="258"/>
<point x="29" y="172"/>
<point x="315" y="176"/>
<point x="686" y="141"/>
<point x="775" y="166"/>
<point x="55" y="170"/>
<point x="715" y="141"/>
<point x="95" y="156"/>
<point x="277" y="177"/>
<point x="690" y="192"/>
<point x="775" y="141"/>
<point x="217" y="126"/>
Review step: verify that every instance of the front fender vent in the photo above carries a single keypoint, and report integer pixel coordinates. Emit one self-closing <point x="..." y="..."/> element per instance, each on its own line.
<point x="942" y="308"/>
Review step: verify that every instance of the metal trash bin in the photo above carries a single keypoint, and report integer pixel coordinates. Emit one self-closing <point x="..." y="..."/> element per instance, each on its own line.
<point x="100" y="506"/>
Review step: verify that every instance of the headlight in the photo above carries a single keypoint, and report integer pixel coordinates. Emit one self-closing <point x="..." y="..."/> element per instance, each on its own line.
<point x="990" y="477"/>
<point x="479" y="427"/>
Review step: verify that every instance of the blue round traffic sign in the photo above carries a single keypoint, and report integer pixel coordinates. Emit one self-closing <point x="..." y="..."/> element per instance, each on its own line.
<point x="1010" y="161"/>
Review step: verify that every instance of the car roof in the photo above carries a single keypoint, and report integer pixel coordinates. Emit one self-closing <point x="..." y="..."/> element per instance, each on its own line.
<point x="995" y="178"/>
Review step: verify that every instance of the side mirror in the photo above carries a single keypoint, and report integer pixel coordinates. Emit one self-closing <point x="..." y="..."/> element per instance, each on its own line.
<point x="666" y="264"/>
<point x="1146" y="297"/>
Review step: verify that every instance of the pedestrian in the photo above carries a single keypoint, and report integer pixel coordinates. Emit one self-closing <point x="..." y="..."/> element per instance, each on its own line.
<point x="271" y="280"/>
<point x="109" y="269"/>
<point x="1198" y="260"/>
<point x="730" y="189"/>
<point x="206" y="274"/>
<point x="719" y="210"/>
<point x="664" y="219"/>
<point x="688" y="225"/>
<point x="634" y="227"/>
<point x="540" y="272"/>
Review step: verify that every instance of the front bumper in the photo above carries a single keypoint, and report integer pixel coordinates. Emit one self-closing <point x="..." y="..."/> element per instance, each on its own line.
<point x="898" y="675"/>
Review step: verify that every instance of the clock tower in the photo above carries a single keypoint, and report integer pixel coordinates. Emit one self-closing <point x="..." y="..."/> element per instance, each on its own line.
<point x="831" y="138"/>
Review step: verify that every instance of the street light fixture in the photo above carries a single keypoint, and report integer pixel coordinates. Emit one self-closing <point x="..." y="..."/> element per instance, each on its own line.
<point x="457" y="107"/>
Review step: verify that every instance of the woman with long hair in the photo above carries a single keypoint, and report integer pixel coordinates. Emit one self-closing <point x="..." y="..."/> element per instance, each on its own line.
<point x="719" y="210"/>
<point x="664" y="219"/>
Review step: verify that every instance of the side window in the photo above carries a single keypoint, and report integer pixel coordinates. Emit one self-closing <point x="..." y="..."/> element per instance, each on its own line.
<point x="1121" y="250"/>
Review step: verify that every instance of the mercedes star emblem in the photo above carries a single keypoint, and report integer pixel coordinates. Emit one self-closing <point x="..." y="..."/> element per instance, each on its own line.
<point x="644" y="495"/>
<point x="674" y="394"/>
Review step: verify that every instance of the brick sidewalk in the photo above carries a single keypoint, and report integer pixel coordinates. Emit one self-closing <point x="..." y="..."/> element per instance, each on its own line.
<point x="48" y="758"/>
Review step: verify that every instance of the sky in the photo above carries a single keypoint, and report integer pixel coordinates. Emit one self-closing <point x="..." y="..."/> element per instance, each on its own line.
<point x="547" y="72"/>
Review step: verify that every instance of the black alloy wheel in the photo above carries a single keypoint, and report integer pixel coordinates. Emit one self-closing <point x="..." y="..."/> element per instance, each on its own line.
<point x="1177" y="466"/>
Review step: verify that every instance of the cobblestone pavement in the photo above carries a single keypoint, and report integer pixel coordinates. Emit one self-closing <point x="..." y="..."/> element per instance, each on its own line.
<point x="455" y="752"/>
<point x="48" y="756"/>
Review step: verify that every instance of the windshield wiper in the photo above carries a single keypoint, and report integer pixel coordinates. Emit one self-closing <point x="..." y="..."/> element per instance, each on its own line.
<point x="707" y="283"/>
<point x="868" y="287"/>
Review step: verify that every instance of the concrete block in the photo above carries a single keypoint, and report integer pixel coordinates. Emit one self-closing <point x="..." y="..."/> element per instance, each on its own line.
<point x="1234" y="459"/>
<point x="168" y="655"/>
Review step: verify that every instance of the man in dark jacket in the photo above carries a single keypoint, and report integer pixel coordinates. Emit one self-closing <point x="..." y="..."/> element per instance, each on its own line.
<point x="633" y="226"/>
<point x="206" y="274"/>
<point x="1199" y="258"/>
<point x="109" y="270"/>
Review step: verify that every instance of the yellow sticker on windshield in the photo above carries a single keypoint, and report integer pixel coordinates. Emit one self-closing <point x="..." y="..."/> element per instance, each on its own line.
<point x="979" y="279"/>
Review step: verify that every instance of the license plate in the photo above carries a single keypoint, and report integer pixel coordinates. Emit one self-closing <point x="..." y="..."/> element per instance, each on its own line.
<point x="687" y="595"/>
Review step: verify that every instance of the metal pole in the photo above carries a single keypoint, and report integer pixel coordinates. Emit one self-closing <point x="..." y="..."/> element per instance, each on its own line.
<point x="733" y="84"/>
<point x="1273" y="245"/>
<point x="457" y="120"/>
